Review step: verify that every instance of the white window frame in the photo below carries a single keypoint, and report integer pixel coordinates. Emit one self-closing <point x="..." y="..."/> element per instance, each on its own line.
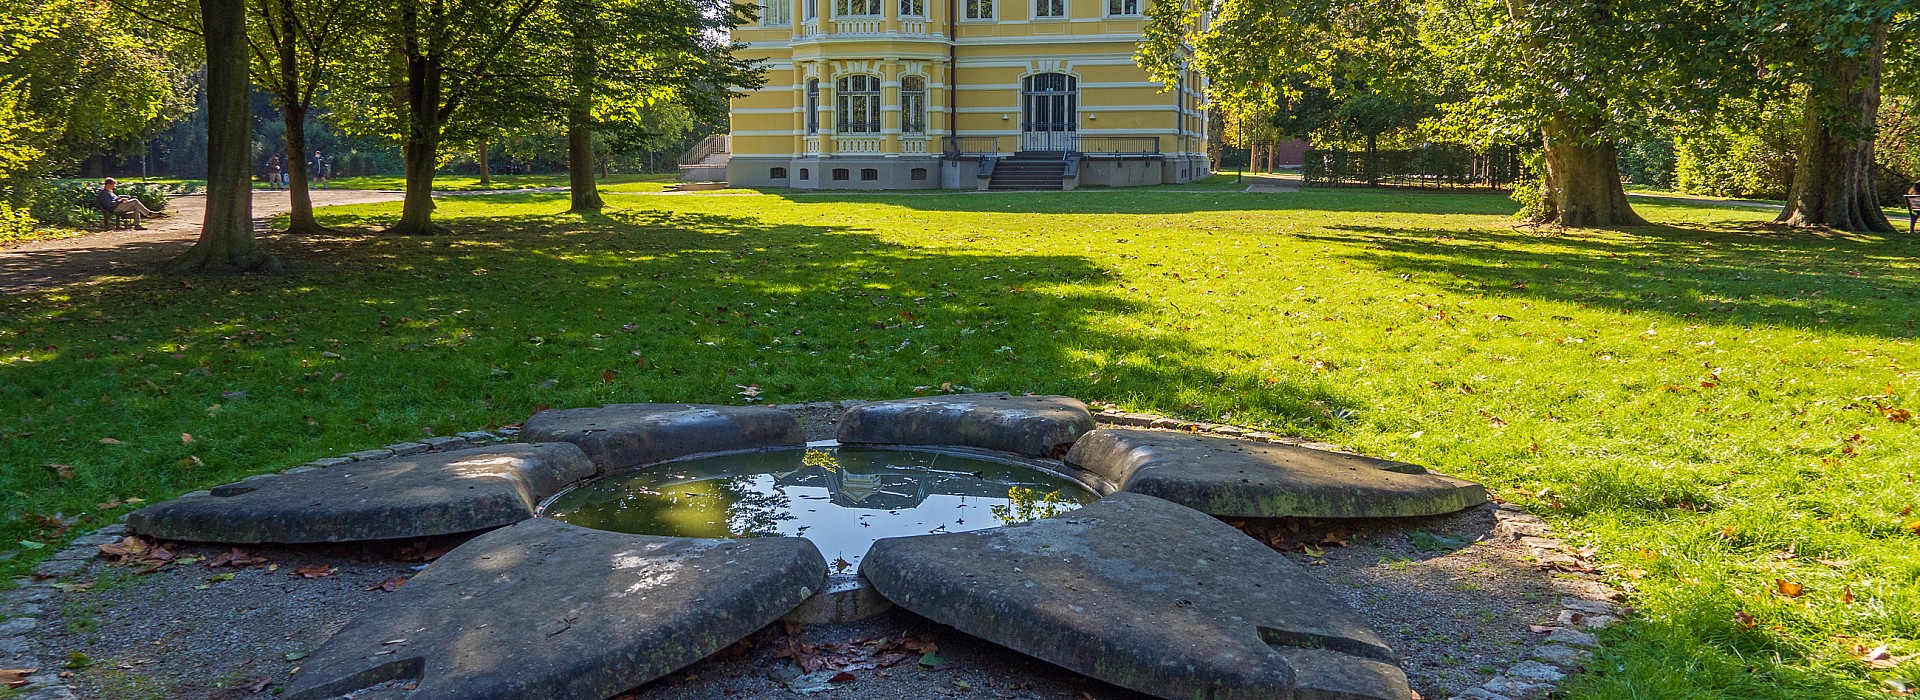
<point x="813" y="106"/>
<point x="992" y="12"/>
<point x="848" y="100"/>
<point x="913" y="8"/>
<point x="846" y="8"/>
<point x="913" y="105"/>
<point x="810" y="10"/>
<point x="776" y="13"/>
<point x="1123" y="5"/>
<point x="1060" y="5"/>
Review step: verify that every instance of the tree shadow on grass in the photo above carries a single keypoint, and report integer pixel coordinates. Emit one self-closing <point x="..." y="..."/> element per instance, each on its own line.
<point x="1151" y="200"/>
<point x="374" y="338"/>
<point x="1726" y="275"/>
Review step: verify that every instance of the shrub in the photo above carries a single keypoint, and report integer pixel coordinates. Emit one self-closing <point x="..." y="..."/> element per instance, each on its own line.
<point x="14" y="225"/>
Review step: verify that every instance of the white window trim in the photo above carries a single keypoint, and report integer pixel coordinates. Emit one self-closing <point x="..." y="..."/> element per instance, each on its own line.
<point x="1066" y="11"/>
<point x="991" y="17"/>
<point x="1139" y="6"/>
<point x="766" y="13"/>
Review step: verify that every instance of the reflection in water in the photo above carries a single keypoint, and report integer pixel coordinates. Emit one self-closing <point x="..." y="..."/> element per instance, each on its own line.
<point x="842" y="499"/>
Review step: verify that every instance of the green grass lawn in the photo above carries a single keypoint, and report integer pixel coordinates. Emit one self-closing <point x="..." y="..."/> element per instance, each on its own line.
<point x="463" y="183"/>
<point x="1712" y="404"/>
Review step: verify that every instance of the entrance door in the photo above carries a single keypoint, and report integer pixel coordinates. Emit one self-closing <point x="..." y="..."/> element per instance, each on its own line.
<point x="1050" y="115"/>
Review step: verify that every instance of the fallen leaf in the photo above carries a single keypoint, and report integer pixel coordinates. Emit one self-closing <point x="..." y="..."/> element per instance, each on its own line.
<point x="1846" y="595"/>
<point x="186" y="439"/>
<point x="15" y="677"/>
<point x="841" y="677"/>
<point x="259" y="685"/>
<point x="315" y="571"/>
<point x="1744" y="618"/>
<point x="1788" y="588"/>
<point x="109" y="441"/>
<point x="235" y="557"/>
<point x="63" y="471"/>
<point x="1878" y="659"/>
<point x="295" y="655"/>
<point x="931" y="661"/>
<point x="1541" y="629"/>
<point x="389" y="585"/>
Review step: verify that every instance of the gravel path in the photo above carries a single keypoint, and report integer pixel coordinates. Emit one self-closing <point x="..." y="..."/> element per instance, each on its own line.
<point x="55" y="263"/>
<point x="1454" y="595"/>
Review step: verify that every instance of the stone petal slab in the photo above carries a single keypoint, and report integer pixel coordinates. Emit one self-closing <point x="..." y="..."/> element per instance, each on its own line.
<point x="544" y="610"/>
<point x="619" y="436"/>
<point x="436" y="493"/>
<point x="1241" y="478"/>
<point x="1147" y="595"/>
<point x="1038" y="426"/>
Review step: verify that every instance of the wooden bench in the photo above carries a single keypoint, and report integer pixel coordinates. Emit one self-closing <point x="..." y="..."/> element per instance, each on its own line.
<point x="109" y="218"/>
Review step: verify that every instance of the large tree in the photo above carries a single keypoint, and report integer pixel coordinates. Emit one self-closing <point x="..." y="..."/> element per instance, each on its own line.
<point x="226" y="234"/>
<point x="296" y="47"/>
<point x="1837" y="50"/>
<point x="1558" y="71"/>
<point x="454" y="72"/>
<point x="80" y="83"/>
<point x="624" y="57"/>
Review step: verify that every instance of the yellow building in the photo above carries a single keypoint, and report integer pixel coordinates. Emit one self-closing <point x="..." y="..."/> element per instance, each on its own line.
<point x="1015" y="94"/>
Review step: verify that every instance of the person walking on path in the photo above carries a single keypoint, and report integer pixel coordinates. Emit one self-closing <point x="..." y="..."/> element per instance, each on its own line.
<point x="123" y="205"/>
<point x="273" y="173"/>
<point x="317" y="169"/>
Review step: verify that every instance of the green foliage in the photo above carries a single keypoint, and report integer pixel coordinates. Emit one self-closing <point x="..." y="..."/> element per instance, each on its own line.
<point x="1648" y="159"/>
<point x="1748" y="152"/>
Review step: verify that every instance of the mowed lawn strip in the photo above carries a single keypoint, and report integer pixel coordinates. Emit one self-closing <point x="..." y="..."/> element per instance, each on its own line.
<point x="1717" y="407"/>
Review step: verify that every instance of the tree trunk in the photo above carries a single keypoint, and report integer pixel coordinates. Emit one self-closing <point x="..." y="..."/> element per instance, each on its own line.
<point x="226" y="234"/>
<point x="586" y="67"/>
<point x="1373" y="159"/>
<point x="300" y="219"/>
<point x="586" y="192"/>
<point x="486" y="172"/>
<point x="421" y="151"/>
<point x="293" y="111"/>
<point x="1583" y="178"/>
<point x="1833" y="176"/>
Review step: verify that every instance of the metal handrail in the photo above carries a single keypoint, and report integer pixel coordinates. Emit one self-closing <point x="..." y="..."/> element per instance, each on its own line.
<point x="974" y="145"/>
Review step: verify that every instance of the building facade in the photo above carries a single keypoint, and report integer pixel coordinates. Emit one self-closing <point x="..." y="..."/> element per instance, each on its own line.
<point x="906" y="94"/>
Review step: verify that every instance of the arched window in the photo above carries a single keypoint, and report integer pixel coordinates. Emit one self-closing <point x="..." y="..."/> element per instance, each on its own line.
<point x="859" y="105"/>
<point x="913" y="105"/>
<point x="813" y="106"/>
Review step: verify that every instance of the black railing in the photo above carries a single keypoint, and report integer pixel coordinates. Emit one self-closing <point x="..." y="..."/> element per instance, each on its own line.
<point x="1430" y="165"/>
<point x="976" y="145"/>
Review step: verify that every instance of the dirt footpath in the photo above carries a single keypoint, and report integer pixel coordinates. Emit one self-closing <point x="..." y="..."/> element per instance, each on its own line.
<point x="43" y="264"/>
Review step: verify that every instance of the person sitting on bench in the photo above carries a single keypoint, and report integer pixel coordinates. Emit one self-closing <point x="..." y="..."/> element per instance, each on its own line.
<point x="123" y="205"/>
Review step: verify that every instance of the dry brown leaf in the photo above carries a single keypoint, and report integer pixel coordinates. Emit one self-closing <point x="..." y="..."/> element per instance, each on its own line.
<point x="315" y="571"/>
<point x="1744" y="618"/>
<point x="15" y="677"/>
<point x="109" y="441"/>
<point x="389" y="585"/>
<point x="1789" y="588"/>
<point x="63" y="471"/>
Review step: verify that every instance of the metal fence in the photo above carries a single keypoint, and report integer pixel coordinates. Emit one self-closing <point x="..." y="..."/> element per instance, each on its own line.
<point x="1430" y="165"/>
